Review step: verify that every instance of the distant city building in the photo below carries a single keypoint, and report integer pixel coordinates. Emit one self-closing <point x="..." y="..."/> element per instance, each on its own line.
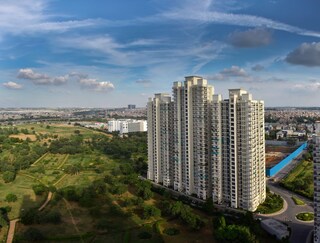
<point x="131" y="106"/>
<point x="316" y="166"/>
<point x="212" y="147"/>
<point x="127" y="126"/>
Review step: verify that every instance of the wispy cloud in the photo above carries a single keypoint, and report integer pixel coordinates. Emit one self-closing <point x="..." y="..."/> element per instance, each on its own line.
<point x="203" y="13"/>
<point x="12" y="85"/>
<point x="29" y="17"/>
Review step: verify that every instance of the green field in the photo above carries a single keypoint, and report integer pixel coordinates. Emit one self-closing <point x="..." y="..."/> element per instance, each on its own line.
<point x="22" y="187"/>
<point x="300" y="179"/>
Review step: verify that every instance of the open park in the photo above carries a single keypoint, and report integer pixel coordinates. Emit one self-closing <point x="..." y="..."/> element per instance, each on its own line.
<point x="61" y="182"/>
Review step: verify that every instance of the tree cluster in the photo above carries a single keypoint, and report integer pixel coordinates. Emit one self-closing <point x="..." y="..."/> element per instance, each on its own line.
<point x="184" y="212"/>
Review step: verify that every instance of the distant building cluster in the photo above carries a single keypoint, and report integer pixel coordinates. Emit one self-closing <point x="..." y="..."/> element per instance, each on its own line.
<point x="127" y="126"/>
<point x="202" y="145"/>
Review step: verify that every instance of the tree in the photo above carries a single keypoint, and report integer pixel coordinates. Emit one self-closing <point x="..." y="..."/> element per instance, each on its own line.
<point x="33" y="234"/>
<point x="150" y="211"/>
<point x="39" y="189"/>
<point x="29" y="216"/>
<point x="11" y="197"/>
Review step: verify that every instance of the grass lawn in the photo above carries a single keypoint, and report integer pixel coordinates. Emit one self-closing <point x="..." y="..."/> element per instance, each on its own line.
<point x="22" y="188"/>
<point x="300" y="179"/>
<point x="298" y="201"/>
<point x="307" y="216"/>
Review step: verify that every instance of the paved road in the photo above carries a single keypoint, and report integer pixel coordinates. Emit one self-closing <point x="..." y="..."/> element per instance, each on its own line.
<point x="299" y="230"/>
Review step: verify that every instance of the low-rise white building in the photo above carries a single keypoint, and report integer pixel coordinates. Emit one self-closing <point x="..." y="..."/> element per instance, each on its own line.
<point x="276" y="228"/>
<point x="127" y="126"/>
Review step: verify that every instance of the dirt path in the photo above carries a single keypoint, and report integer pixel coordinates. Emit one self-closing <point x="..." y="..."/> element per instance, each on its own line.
<point x="72" y="219"/>
<point x="63" y="162"/>
<point x="11" y="230"/>
<point x="39" y="159"/>
<point x="46" y="202"/>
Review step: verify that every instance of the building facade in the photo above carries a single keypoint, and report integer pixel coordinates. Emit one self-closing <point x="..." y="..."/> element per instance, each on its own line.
<point x="316" y="196"/>
<point x="217" y="147"/>
<point x="192" y="108"/>
<point x="238" y="150"/>
<point x="160" y="168"/>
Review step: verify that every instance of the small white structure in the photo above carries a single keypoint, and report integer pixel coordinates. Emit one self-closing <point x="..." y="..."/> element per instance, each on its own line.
<point x="276" y="228"/>
<point x="127" y="125"/>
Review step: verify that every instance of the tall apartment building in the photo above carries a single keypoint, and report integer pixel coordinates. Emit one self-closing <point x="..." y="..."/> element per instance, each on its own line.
<point x="159" y="112"/>
<point x="238" y="150"/>
<point x="217" y="146"/>
<point x="316" y="173"/>
<point x="191" y="135"/>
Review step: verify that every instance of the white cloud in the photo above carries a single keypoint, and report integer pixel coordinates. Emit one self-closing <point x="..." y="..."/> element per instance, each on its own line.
<point x="307" y="87"/>
<point x="40" y="78"/>
<point x="12" y="85"/>
<point x="94" y="84"/>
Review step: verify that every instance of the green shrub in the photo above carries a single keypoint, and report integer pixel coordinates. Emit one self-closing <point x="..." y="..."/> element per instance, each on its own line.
<point x="11" y="197"/>
<point x="33" y="234"/>
<point x="8" y="176"/>
<point x="171" y="231"/>
<point x="145" y="235"/>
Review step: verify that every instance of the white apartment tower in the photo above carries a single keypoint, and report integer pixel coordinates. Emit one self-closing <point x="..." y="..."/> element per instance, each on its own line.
<point x="191" y="134"/>
<point x="238" y="150"/>
<point x="159" y="112"/>
<point x="316" y="173"/>
<point x="203" y="145"/>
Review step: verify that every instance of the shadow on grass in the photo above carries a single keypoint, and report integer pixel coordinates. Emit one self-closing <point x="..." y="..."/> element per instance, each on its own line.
<point x="105" y="221"/>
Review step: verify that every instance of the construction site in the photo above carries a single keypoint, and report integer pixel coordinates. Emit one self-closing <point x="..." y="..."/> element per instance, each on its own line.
<point x="276" y="153"/>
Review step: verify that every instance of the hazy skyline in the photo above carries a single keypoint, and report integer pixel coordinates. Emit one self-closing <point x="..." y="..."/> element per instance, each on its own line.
<point x="81" y="53"/>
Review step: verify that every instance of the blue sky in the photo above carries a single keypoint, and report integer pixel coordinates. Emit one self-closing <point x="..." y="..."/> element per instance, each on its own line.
<point x="103" y="53"/>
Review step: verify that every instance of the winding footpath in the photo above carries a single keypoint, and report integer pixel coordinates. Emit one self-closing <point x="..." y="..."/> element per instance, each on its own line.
<point x="13" y="222"/>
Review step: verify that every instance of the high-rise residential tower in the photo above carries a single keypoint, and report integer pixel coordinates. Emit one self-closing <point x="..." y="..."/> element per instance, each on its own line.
<point x="316" y="173"/>
<point x="217" y="146"/>
<point x="238" y="150"/>
<point x="191" y="134"/>
<point x="160" y="124"/>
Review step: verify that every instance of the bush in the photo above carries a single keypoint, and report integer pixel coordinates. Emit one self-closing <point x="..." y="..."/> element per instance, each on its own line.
<point x="33" y="234"/>
<point x="11" y="197"/>
<point x="144" y="235"/>
<point x="171" y="231"/>
<point x="53" y="217"/>
<point x="39" y="189"/>
<point x="103" y="224"/>
<point x="305" y="216"/>
<point x="150" y="211"/>
<point x="30" y="216"/>
<point x="8" y="176"/>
